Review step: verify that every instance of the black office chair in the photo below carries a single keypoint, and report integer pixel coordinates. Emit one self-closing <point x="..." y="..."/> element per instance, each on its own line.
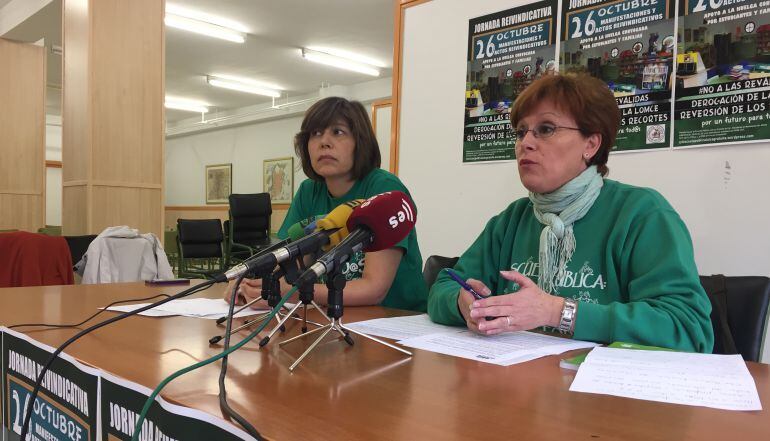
<point x="200" y="247"/>
<point x="433" y="265"/>
<point x="79" y="245"/>
<point x="739" y="313"/>
<point x="249" y="225"/>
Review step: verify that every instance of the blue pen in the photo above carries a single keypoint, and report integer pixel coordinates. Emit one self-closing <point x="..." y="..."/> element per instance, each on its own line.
<point x="466" y="287"/>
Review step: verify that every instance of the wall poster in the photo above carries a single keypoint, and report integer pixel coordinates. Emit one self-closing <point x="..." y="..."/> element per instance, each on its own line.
<point x="507" y="50"/>
<point x="278" y="175"/>
<point x="219" y="183"/>
<point x="723" y="72"/>
<point x="630" y="46"/>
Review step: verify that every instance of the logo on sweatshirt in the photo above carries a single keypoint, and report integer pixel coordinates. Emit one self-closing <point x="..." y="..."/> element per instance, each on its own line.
<point x="584" y="278"/>
<point x="354" y="267"/>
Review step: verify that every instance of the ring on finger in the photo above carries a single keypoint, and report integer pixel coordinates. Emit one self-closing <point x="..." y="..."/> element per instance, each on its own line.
<point x="508" y="320"/>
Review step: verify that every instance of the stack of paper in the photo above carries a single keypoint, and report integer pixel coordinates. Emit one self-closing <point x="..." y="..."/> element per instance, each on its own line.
<point x="201" y="308"/>
<point x="419" y="332"/>
<point x="710" y="380"/>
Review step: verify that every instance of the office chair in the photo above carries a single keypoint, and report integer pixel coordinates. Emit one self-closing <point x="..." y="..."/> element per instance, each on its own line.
<point x="249" y="225"/>
<point x="200" y="239"/>
<point x="79" y="245"/>
<point x="739" y="313"/>
<point x="433" y="265"/>
<point x="171" y="246"/>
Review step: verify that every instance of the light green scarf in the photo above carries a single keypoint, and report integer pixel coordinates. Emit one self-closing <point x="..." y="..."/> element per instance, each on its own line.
<point x="558" y="210"/>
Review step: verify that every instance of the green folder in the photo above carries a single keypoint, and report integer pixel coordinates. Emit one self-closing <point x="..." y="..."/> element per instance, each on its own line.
<point x="573" y="363"/>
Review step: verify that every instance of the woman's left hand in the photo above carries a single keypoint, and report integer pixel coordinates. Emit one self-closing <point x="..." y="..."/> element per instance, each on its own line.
<point x="528" y="308"/>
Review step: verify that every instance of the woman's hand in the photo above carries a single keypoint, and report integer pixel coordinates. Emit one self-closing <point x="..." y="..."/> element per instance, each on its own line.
<point x="465" y="303"/>
<point x="248" y="290"/>
<point x="528" y="308"/>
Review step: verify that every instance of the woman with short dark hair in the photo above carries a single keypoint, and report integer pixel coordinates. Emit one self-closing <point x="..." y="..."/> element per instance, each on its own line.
<point x="594" y="258"/>
<point x="340" y="154"/>
<point x="323" y="114"/>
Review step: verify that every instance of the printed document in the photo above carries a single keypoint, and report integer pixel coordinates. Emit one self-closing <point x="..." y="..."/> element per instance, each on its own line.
<point x="418" y="331"/>
<point x="501" y="349"/>
<point x="200" y="307"/>
<point x="710" y="380"/>
<point x="400" y="328"/>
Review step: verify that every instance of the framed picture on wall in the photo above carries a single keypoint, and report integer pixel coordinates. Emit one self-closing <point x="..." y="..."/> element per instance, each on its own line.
<point x="279" y="179"/>
<point x="219" y="183"/>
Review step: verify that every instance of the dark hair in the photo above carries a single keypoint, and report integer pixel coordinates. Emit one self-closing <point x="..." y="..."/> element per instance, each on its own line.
<point x="587" y="99"/>
<point x="324" y="113"/>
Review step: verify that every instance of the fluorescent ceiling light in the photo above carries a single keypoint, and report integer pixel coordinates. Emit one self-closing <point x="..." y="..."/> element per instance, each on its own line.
<point x="208" y="18"/>
<point x="205" y="24"/>
<point x="243" y="85"/>
<point x="349" y="55"/>
<point x="339" y="62"/>
<point x="186" y="105"/>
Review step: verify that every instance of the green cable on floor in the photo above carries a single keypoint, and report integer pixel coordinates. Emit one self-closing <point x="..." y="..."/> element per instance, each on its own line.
<point x="170" y="378"/>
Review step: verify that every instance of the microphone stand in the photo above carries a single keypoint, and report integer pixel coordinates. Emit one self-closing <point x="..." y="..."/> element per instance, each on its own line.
<point x="305" y="299"/>
<point x="271" y="292"/>
<point x="335" y="283"/>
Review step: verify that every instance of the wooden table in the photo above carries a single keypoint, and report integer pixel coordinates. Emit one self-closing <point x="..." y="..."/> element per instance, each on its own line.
<point x="366" y="391"/>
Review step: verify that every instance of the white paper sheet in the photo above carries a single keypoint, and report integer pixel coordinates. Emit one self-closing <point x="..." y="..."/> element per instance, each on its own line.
<point x="400" y="328"/>
<point x="710" y="380"/>
<point x="200" y="307"/>
<point x="502" y="349"/>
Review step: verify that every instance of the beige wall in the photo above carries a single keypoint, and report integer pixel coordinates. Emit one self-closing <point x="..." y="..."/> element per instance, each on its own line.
<point x="22" y="136"/>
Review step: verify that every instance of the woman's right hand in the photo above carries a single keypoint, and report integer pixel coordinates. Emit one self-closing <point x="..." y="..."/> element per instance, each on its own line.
<point x="466" y="299"/>
<point x="249" y="290"/>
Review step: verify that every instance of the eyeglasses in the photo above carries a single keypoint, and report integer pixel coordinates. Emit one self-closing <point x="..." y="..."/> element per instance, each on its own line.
<point x="540" y="131"/>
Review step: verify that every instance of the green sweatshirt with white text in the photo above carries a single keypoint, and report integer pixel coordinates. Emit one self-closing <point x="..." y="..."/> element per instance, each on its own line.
<point x="313" y="200"/>
<point x="633" y="273"/>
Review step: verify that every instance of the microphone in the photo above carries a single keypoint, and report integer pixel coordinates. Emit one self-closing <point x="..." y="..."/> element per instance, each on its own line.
<point x="296" y="248"/>
<point x="268" y="261"/>
<point x="338" y="218"/>
<point x="302" y="228"/>
<point x="378" y="223"/>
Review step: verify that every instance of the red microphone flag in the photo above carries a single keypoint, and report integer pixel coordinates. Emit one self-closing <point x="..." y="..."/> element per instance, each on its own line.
<point x="390" y="216"/>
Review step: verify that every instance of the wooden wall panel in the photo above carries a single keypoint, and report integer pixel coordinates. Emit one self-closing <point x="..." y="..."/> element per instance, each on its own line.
<point x="113" y="136"/>
<point x="22" y="135"/>
<point x="21" y="212"/>
<point x="76" y="105"/>
<point x="74" y="222"/>
<point x="134" y="207"/>
<point x="128" y="134"/>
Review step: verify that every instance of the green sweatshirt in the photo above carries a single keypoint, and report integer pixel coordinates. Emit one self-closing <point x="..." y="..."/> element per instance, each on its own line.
<point x="408" y="290"/>
<point x="633" y="272"/>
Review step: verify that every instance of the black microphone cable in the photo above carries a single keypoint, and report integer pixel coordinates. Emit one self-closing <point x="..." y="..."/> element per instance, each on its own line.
<point x="55" y="354"/>
<point x="148" y="403"/>
<point x="75" y="325"/>
<point x="223" y="404"/>
<point x="200" y="287"/>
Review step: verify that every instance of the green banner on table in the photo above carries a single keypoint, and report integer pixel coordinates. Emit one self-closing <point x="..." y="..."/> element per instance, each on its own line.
<point x="122" y="402"/>
<point x="630" y="46"/>
<point x="507" y="50"/>
<point x="66" y="406"/>
<point x="723" y="72"/>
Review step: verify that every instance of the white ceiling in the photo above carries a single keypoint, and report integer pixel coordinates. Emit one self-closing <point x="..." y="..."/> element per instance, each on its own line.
<point x="277" y="30"/>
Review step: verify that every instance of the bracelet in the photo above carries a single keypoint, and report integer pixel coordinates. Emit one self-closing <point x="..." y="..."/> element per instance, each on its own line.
<point x="568" y="314"/>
